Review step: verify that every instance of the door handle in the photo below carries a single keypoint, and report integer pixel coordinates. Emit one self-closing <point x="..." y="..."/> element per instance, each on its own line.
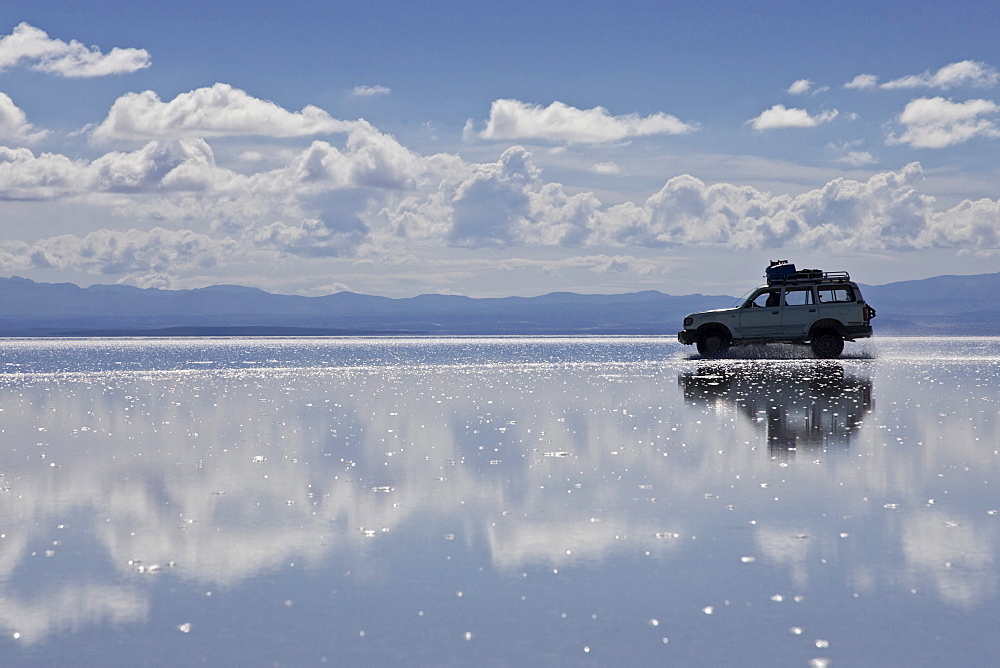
<point x="812" y="310"/>
<point x="775" y="312"/>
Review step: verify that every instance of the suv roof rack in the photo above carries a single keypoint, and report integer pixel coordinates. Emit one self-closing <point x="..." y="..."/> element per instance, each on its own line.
<point x="811" y="276"/>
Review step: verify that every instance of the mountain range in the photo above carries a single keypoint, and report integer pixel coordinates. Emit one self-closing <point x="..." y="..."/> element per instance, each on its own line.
<point x="943" y="305"/>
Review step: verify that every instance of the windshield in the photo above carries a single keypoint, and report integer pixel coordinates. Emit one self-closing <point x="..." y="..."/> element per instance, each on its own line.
<point x="742" y="300"/>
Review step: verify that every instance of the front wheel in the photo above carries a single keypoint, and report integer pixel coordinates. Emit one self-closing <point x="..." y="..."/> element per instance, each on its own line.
<point x="828" y="345"/>
<point x="712" y="344"/>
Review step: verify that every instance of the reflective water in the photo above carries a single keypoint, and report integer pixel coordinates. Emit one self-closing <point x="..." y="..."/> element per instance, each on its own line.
<point x="497" y="501"/>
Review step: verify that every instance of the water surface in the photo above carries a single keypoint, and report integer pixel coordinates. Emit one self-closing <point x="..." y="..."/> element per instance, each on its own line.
<point x="497" y="501"/>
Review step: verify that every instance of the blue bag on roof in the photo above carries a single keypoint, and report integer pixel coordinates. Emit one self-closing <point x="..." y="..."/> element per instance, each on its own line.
<point x="778" y="270"/>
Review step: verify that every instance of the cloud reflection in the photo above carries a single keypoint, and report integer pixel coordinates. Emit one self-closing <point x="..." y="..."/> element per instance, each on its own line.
<point x="215" y="477"/>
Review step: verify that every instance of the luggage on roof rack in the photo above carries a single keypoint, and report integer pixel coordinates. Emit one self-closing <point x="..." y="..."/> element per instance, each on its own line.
<point x="781" y="272"/>
<point x="778" y="269"/>
<point x="810" y="276"/>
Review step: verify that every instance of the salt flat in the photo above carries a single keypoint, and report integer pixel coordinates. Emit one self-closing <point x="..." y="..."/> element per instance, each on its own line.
<point x="497" y="501"/>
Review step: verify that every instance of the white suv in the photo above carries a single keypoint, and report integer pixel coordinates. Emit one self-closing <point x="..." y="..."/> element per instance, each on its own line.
<point x="821" y="309"/>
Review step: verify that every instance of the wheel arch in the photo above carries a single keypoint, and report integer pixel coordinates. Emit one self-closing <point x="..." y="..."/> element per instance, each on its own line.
<point x="715" y="328"/>
<point x="827" y="324"/>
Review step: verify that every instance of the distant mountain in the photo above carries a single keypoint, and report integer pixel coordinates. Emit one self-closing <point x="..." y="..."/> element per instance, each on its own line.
<point x="28" y="308"/>
<point x="941" y="305"/>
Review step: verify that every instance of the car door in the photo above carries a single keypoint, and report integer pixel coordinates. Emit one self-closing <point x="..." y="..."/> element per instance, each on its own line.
<point x="838" y="302"/>
<point x="799" y="311"/>
<point x="760" y="316"/>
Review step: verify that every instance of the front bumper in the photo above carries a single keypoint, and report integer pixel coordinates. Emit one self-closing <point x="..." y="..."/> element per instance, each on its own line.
<point x="687" y="337"/>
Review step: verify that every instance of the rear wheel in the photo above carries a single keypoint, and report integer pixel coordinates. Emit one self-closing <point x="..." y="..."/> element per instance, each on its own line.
<point x="712" y="344"/>
<point x="827" y="345"/>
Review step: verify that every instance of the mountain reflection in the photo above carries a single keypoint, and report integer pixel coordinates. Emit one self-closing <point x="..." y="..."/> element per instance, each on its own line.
<point x="799" y="406"/>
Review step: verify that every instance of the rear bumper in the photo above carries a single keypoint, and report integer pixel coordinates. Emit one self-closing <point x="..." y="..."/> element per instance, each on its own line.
<point x="686" y="337"/>
<point x="858" y="332"/>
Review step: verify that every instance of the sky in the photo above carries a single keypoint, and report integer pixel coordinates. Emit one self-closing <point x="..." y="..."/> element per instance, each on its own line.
<point x="496" y="149"/>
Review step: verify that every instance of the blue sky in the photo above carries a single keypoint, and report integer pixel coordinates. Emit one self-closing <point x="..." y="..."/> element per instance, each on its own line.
<point x="523" y="148"/>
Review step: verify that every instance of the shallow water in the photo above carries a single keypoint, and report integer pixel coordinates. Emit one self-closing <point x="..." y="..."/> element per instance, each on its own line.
<point x="498" y="501"/>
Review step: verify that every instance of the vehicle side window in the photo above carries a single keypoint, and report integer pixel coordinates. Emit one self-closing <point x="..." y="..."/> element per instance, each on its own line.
<point x="830" y="295"/>
<point x="798" y="297"/>
<point x="766" y="299"/>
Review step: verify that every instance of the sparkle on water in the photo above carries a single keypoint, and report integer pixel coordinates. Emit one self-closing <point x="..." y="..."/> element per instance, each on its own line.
<point x="498" y="501"/>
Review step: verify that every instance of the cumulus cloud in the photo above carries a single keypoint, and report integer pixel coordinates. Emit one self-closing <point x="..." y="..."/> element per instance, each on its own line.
<point x="561" y="123"/>
<point x="369" y="159"/>
<point x="969" y="73"/>
<point x="187" y="167"/>
<point x="857" y="158"/>
<point x="14" y="125"/>
<point x="504" y="203"/>
<point x="605" y="168"/>
<point x="936" y="122"/>
<point x="311" y="239"/>
<point x="862" y="82"/>
<point x="32" y="47"/>
<point x="24" y="176"/>
<point x="508" y="203"/>
<point x="800" y="87"/>
<point x="964" y="73"/>
<point x="250" y="156"/>
<point x="157" y="167"/>
<point x="780" y="116"/>
<point x="123" y="251"/>
<point x="370" y="91"/>
<point x="805" y="87"/>
<point x="216" y="111"/>
<point x="374" y="198"/>
<point x="969" y="225"/>
<point x="885" y="212"/>
<point x="849" y="154"/>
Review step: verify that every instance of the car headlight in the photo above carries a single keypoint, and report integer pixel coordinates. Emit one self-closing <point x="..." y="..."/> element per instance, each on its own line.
<point x="688" y="321"/>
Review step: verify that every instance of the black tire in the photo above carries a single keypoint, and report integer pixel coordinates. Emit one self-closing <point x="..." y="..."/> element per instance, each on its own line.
<point x="827" y="345"/>
<point x="712" y="344"/>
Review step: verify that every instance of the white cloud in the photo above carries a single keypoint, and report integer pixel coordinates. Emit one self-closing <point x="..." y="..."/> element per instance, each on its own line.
<point x="504" y="203"/>
<point x="23" y="176"/>
<point x="605" y="168"/>
<point x="805" y="87"/>
<point x="936" y="122"/>
<point x="862" y="82"/>
<point x="885" y="212"/>
<point x="129" y="251"/>
<point x="370" y="91"/>
<point x="157" y="167"/>
<point x="14" y="125"/>
<point x="311" y="239"/>
<point x="218" y="111"/>
<point x="964" y="73"/>
<point x="558" y="122"/>
<point x="780" y="116"/>
<point x="849" y="154"/>
<point x="31" y="46"/>
<point x="374" y="198"/>
<point x="185" y="165"/>
<point x="371" y="159"/>
<point x="857" y="158"/>
<point x="251" y="156"/>
<point x="969" y="225"/>
<point x="800" y="87"/>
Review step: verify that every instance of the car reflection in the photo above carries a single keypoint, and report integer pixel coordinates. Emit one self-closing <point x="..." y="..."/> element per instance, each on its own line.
<point x="799" y="407"/>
